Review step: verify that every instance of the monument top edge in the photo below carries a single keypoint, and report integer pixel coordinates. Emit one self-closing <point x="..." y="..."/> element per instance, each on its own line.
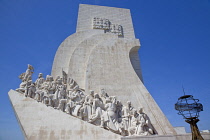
<point x="102" y="6"/>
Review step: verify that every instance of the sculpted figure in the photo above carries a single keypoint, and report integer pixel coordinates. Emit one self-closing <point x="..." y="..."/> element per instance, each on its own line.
<point x="51" y="90"/>
<point x="28" y="73"/>
<point x="140" y="124"/>
<point x="76" y="100"/>
<point x="27" y="86"/>
<point x="43" y="93"/>
<point x="60" y="94"/>
<point x="109" y="117"/>
<point x="119" y="111"/>
<point x="134" y="123"/>
<point x="39" y="81"/>
<point x="31" y="91"/>
<point x="38" y="94"/>
<point x="41" y="90"/>
<point x="104" y="96"/>
<point x="59" y="84"/>
<point x="97" y="103"/>
<point x="22" y="87"/>
<point x="44" y="89"/>
<point x="97" y="109"/>
<point x="126" y="116"/>
<point x="69" y="104"/>
<point x="72" y="84"/>
<point x="25" y="77"/>
<point x="39" y="87"/>
<point x="144" y="127"/>
<point x="86" y="110"/>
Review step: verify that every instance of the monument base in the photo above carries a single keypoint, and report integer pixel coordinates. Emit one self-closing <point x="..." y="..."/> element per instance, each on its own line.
<point x="39" y="122"/>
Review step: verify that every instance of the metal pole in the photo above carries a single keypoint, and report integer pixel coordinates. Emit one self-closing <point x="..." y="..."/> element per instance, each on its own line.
<point x="194" y="129"/>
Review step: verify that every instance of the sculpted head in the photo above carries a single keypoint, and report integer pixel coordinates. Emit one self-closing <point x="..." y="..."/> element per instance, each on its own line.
<point x="119" y="102"/>
<point x="92" y="93"/>
<point x="40" y="75"/>
<point x="103" y="93"/>
<point x="96" y="96"/>
<point x="58" y="77"/>
<point x="48" y="78"/>
<point x="30" y="67"/>
<point x="140" y="111"/>
<point x="51" y="78"/>
<point x="59" y="81"/>
<point x="134" y="112"/>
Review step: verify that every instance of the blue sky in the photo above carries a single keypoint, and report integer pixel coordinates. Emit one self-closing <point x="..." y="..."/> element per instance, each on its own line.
<point x="175" y="48"/>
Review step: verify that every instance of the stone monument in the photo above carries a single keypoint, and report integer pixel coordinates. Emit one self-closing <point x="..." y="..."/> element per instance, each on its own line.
<point x="95" y="90"/>
<point x="103" y="54"/>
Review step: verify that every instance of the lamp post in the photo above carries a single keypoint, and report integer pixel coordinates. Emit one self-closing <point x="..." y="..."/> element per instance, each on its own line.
<point x="189" y="108"/>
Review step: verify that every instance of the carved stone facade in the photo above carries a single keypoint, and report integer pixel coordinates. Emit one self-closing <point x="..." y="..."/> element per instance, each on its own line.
<point x="100" y="23"/>
<point x="107" y="26"/>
